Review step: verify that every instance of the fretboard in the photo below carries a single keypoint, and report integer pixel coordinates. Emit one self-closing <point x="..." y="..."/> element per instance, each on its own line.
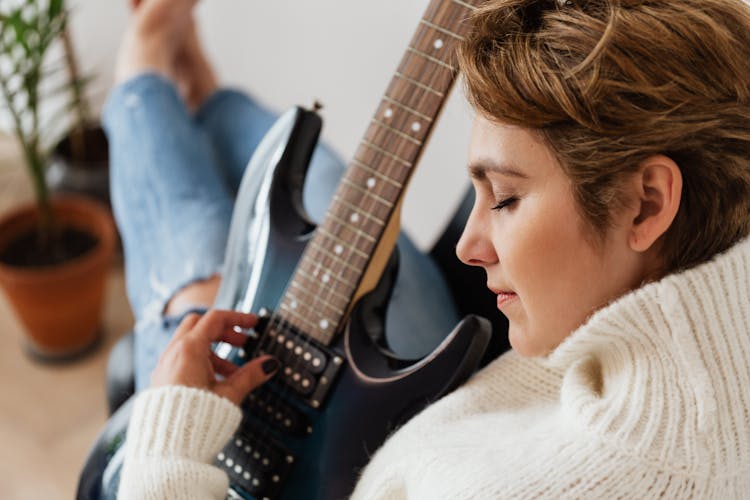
<point x="322" y="288"/>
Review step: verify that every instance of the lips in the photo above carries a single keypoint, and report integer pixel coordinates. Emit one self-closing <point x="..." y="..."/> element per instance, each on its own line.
<point x="504" y="296"/>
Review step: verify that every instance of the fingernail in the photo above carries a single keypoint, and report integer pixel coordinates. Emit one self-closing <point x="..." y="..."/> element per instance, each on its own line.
<point x="270" y="365"/>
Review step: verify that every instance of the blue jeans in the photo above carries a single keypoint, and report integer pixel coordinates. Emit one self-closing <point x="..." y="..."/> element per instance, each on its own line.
<point x="174" y="176"/>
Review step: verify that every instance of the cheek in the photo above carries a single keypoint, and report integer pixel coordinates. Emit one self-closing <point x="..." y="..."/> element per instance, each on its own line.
<point x="548" y="262"/>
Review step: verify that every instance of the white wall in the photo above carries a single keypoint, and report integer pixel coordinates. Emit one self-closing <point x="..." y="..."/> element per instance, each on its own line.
<point x="289" y="52"/>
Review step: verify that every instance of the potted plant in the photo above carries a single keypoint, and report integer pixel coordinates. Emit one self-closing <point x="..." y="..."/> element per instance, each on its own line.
<point x="79" y="162"/>
<point x="56" y="252"/>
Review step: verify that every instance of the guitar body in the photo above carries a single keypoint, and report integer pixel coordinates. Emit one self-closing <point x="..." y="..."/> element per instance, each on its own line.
<point x="373" y="391"/>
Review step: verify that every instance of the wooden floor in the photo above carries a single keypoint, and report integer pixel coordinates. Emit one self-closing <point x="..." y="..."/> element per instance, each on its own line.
<point x="49" y="414"/>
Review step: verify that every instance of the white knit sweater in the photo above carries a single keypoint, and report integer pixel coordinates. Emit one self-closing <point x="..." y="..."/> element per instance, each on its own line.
<point x="649" y="399"/>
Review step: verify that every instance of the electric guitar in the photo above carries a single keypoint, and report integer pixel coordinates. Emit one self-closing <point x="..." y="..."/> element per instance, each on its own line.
<point x="339" y="392"/>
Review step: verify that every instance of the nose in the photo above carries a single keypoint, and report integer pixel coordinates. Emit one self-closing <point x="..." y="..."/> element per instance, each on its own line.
<point x="475" y="247"/>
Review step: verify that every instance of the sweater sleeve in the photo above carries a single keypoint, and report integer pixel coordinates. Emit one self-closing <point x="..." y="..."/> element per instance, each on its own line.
<point x="174" y="435"/>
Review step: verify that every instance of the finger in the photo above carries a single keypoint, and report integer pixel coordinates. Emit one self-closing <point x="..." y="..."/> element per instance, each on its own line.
<point x="218" y="326"/>
<point x="246" y="378"/>
<point x="187" y="324"/>
<point x="222" y="366"/>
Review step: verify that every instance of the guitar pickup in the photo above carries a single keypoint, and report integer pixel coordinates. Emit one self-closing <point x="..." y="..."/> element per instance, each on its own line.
<point x="307" y="367"/>
<point x="293" y="350"/>
<point x="256" y="464"/>
<point x="269" y="407"/>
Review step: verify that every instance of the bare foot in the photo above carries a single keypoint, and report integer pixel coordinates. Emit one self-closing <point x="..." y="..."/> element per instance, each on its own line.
<point x="162" y="38"/>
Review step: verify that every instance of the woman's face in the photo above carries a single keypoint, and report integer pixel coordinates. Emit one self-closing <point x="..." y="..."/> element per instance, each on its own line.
<point x="547" y="268"/>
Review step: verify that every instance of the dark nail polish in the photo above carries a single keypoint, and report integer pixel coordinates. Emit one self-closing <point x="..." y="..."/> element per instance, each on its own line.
<point x="270" y="365"/>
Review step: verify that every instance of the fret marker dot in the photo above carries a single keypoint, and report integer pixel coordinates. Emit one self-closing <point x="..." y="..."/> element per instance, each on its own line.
<point x="293" y="305"/>
<point x="354" y="217"/>
<point x="388" y="113"/>
<point x="371" y="182"/>
<point x="438" y="43"/>
<point x="326" y="278"/>
<point x="338" y="249"/>
<point x="323" y="324"/>
<point x="416" y="126"/>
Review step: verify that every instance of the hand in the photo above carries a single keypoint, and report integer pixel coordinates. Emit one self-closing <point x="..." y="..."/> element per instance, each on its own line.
<point x="188" y="359"/>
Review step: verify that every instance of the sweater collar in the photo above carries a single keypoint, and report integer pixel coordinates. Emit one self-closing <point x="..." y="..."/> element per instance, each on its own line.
<point x="666" y="368"/>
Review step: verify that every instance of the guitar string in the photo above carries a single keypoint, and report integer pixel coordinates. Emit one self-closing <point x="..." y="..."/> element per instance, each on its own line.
<point x="276" y="320"/>
<point x="373" y="203"/>
<point x="285" y="328"/>
<point x="356" y="240"/>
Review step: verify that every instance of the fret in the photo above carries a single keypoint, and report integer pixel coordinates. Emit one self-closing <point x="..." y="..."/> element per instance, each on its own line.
<point x="321" y="248"/>
<point x="431" y="58"/>
<point x="332" y="265"/>
<point x="385" y="190"/>
<point x="396" y="131"/>
<point x="303" y="319"/>
<point x="407" y="108"/>
<point x="394" y="144"/>
<point x="356" y="210"/>
<point x="367" y="192"/>
<point x="387" y="153"/>
<point x="464" y="4"/>
<point x="315" y="281"/>
<point x="377" y="174"/>
<point x="419" y="84"/>
<point x="442" y="30"/>
<point x="305" y="302"/>
<point x="450" y="15"/>
<point x="420" y="100"/>
<point x="425" y="52"/>
<point x="305" y="291"/>
<point x="367" y="237"/>
<point x="302" y="305"/>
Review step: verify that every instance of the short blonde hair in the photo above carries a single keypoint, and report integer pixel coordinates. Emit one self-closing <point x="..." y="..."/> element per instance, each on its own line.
<point x="608" y="83"/>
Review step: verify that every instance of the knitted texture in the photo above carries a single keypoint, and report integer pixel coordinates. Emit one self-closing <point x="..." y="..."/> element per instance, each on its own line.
<point x="649" y="399"/>
<point x="173" y="436"/>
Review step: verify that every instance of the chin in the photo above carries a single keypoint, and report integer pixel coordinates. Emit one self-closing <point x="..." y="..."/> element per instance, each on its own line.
<point x="523" y="342"/>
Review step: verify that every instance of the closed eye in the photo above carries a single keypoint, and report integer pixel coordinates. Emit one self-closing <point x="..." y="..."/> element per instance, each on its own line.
<point x="507" y="202"/>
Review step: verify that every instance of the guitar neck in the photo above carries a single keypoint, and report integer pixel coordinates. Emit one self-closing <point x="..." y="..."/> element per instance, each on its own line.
<point x="321" y="291"/>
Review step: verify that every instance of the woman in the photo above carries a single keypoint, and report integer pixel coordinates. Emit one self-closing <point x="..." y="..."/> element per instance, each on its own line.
<point x="611" y="161"/>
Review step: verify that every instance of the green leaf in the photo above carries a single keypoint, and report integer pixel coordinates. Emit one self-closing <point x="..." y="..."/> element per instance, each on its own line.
<point x="55" y="8"/>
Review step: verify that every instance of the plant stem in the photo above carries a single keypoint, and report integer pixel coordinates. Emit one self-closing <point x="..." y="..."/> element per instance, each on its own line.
<point x="77" y="136"/>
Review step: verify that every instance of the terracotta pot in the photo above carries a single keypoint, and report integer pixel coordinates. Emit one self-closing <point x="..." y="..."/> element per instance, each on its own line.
<point x="60" y="306"/>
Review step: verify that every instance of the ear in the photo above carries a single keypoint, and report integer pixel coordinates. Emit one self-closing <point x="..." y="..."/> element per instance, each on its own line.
<point x="658" y="189"/>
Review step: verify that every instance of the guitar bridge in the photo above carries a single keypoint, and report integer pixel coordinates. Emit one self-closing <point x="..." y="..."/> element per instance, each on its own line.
<point x="307" y="367"/>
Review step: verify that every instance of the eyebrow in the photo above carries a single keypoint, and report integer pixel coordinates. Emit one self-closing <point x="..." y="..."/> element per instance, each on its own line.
<point x="478" y="169"/>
